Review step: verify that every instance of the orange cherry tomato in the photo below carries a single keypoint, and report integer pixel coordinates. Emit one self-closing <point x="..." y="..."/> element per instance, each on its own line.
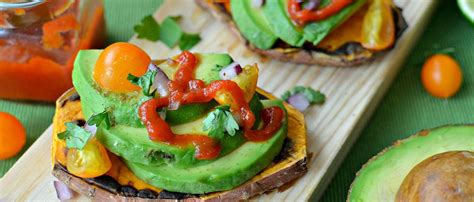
<point x="12" y="136"/>
<point x="441" y="76"/>
<point x="92" y="161"/>
<point x="378" y="27"/>
<point x="116" y="62"/>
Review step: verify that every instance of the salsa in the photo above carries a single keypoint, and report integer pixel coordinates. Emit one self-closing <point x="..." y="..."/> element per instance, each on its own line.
<point x="303" y="16"/>
<point x="184" y="89"/>
<point x="38" y="46"/>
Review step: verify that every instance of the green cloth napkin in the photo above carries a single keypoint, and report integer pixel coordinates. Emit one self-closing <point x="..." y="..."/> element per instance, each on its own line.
<point x="406" y="108"/>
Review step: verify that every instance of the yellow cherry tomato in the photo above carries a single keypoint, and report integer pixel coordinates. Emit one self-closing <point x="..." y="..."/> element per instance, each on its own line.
<point x="12" y="136"/>
<point x="441" y="76"/>
<point x="378" y="27"/>
<point x="116" y="62"/>
<point x="92" y="161"/>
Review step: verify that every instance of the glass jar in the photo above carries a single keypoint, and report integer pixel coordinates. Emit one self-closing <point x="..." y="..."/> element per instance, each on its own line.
<point x="39" y="40"/>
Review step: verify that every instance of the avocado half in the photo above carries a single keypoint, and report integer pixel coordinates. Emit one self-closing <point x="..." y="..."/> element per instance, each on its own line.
<point x="267" y="43"/>
<point x="122" y="184"/>
<point x="381" y="177"/>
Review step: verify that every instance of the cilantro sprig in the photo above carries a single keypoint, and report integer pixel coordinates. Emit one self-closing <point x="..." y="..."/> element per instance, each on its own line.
<point x="220" y="121"/>
<point x="144" y="82"/>
<point x="313" y="96"/>
<point x="77" y="137"/>
<point x="169" y="32"/>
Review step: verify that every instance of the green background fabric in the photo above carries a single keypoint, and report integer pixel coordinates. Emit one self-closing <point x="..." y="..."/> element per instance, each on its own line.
<point x="406" y="108"/>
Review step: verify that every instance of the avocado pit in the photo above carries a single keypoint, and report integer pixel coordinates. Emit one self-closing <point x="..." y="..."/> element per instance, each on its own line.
<point x="447" y="176"/>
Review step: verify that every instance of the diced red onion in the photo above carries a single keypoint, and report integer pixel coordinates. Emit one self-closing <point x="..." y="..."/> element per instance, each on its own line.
<point x="231" y="71"/>
<point x="257" y="3"/>
<point x="63" y="192"/>
<point x="312" y="4"/>
<point x="161" y="80"/>
<point x="299" y="101"/>
<point x="92" y="129"/>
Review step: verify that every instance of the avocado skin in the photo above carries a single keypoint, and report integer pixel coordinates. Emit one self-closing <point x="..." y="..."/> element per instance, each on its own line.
<point x="252" y="24"/>
<point x="315" y="32"/>
<point x="275" y="11"/>
<point x="381" y="177"/>
<point x="224" y="173"/>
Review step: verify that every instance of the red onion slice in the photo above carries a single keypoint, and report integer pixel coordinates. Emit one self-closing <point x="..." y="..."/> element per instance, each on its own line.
<point x="299" y="101"/>
<point x="92" y="129"/>
<point x="231" y="71"/>
<point x="62" y="191"/>
<point x="257" y="3"/>
<point x="312" y="4"/>
<point x="161" y="81"/>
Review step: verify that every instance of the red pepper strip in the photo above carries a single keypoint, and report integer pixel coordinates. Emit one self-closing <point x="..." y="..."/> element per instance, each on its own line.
<point x="158" y="129"/>
<point x="303" y="16"/>
<point x="272" y="119"/>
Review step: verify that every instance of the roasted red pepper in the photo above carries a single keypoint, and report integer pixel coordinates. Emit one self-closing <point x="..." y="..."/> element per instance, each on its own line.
<point x="303" y="16"/>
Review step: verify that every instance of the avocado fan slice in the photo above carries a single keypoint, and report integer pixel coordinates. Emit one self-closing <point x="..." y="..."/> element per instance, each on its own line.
<point x="380" y="178"/>
<point x="224" y="173"/>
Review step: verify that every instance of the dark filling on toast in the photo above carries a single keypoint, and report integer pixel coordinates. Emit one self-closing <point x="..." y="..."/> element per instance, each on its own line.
<point x="72" y="98"/>
<point x="350" y="48"/>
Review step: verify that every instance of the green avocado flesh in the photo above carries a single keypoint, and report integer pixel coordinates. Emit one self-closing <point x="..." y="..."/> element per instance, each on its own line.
<point x="253" y="25"/>
<point x="263" y="26"/>
<point x="381" y="177"/>
<point x="224" y="173"/>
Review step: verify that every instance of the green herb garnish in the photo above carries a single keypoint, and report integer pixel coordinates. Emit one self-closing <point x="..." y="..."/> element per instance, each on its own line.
<point x="169" y="32"/>
<point x="220" y="121"/>
<point x="75" y="136"/>
<point x="144" y="82"/>
<point x="313" y="96"/>
<point x="98" y="119"/>
<point x="148" y="29"/>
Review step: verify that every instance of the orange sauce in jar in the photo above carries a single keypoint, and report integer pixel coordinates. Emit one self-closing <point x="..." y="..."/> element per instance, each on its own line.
<point x="38" y="46"/>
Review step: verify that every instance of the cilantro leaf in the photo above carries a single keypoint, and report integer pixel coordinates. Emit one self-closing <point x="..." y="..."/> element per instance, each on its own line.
<point x="97" y="119"/>
<point x="148" y="29"/>
<point x="75" y="136"/>
<point x="313" y="96"/>
<point x="220" y="121"/>
<point x="188" y="41"/>
<point x="144" y="82"/>
<point x="170" y="32"/>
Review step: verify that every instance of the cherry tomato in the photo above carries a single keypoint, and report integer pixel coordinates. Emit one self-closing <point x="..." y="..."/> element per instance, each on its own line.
<point x="441" y="76"/>
<point x="378" y="27"/>
<point x="12" y="136"/>
<point x="116" y="62"/>
<point x="92" y="161"/>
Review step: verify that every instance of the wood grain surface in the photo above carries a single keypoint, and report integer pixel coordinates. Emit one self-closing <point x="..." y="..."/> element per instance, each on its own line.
<point x="352" y="96"/>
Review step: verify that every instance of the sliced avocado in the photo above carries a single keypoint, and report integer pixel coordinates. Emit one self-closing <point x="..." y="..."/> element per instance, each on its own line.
<point x="276" y="12"/>
<point x="315" y="32"/>
<point x="224" y="173"/>
<point x="381" y="177"/>
<point x="133" y="143"/>
<point x="210" y="64"/>
<point x="124" y="107"/>
<point x="252" y="24"/>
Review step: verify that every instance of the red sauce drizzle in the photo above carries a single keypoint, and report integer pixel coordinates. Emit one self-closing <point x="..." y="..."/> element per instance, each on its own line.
<point x="184" y="89"/>
<point x="303" y="16"/>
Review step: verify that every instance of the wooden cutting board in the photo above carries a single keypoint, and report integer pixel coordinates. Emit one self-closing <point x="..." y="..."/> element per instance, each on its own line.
<point x="352" y="96"/>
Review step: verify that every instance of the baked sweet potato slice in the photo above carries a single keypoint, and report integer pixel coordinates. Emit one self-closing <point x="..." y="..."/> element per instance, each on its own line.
<point x="351" y="54"/>
<point x="120" y="184"/>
